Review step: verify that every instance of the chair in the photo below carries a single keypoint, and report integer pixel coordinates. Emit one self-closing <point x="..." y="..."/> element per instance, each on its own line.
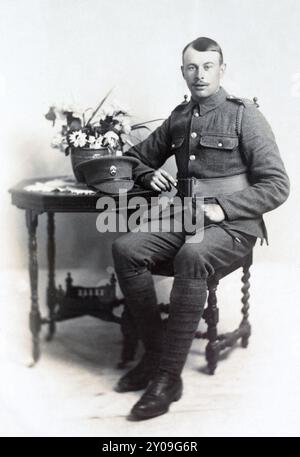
<point x="216" y="342"/>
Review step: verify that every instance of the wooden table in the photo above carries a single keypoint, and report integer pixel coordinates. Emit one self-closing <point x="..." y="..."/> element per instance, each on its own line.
<point x="75" y="301"/>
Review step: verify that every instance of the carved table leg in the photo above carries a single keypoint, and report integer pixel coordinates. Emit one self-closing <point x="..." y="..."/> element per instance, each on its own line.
<point x="34" y="317"/>
<point x="51" y="290"/>
<point x="245" y="325"/>
<point x="212" y="319"/>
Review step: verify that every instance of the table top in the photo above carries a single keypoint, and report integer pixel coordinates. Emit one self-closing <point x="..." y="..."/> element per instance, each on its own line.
<point x="63" y="194"/>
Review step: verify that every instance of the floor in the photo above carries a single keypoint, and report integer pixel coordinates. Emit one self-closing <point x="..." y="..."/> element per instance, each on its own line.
<point x="255" y="392"/>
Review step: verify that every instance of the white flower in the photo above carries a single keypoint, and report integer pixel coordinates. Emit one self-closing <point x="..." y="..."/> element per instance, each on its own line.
<point x="57" y="140"/>
<point x="111" y="135"/>
<point x="111" y="110"/>
<point x="114" y="115"/>
<point x="118" y="127"/>
<point x="91" y="139"/>
<point x="98" y="143"/>
<point x="78" y="138"/>
<point x="111" y="138"/>
<point x="120" y="118"/>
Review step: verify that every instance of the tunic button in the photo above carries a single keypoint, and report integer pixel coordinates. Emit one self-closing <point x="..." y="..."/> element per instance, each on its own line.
<point x="194" y="135"/>
<point x="192" y="157"/>
<point x="173" y="145"/>
<point x="220" y="144"/>
<point x="196" y="114"/>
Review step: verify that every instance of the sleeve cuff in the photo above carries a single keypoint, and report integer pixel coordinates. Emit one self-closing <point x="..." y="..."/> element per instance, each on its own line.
<point x="145" y="179"/>
<point x="226" y="207"/>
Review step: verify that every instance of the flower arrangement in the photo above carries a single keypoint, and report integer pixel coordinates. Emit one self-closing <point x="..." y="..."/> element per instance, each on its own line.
<point x="108" y="126"/>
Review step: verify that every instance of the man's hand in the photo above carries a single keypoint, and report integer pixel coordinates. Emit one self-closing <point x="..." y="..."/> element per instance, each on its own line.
<point x="213" y="212"/>
<point x="162" y="180"/>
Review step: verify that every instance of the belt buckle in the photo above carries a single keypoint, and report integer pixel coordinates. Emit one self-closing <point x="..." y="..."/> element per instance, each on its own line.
<point x="195" y="195"/>
<point x="192" y="192"/>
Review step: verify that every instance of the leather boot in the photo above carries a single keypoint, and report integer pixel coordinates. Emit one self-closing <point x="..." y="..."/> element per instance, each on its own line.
<point x="156" y="400"/>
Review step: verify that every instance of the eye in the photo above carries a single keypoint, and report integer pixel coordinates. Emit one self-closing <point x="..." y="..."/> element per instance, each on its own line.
<point x="191" y="67"/>
<point x="207" y="67"/>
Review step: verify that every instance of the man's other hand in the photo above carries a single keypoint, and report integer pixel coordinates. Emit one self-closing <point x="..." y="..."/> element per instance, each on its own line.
<point x="162" y="180"/>
<point x="213" y="212"/>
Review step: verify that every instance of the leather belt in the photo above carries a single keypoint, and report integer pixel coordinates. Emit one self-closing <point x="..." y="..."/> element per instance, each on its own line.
<point x="212" y="187"/>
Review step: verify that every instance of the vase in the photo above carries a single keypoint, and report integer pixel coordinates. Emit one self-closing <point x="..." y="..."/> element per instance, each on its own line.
<point x="79" y="155"/>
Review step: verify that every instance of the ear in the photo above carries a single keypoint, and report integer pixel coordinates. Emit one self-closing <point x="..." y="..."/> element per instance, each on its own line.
<point x="182" y="72"/>
<point x="222" y="70"/>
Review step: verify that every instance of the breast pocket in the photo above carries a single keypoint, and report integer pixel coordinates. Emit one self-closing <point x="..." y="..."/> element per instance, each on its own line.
<point x="222" y="143"/>
<point x="219" y="153"/>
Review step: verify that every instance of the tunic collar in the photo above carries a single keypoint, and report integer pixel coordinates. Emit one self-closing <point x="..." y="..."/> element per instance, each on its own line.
<point x="209" y="103"/>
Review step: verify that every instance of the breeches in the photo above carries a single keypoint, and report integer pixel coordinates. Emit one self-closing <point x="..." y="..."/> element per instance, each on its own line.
<point x="135" y="253"/>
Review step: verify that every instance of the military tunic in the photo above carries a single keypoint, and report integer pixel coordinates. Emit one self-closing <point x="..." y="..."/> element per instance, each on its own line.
<point x="219" y="137"/>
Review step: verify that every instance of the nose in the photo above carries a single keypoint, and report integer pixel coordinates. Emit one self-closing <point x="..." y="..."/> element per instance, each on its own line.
<point x="199" y="74"/>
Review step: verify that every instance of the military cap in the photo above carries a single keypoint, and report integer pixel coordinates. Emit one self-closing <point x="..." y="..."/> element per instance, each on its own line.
<point x="108" y="174"/>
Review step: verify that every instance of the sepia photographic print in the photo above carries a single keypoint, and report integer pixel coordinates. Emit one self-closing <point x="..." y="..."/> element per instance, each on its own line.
<point x="150" y="219"/>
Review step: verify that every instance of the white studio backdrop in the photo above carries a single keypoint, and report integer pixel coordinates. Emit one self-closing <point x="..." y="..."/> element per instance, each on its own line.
<point x="74" y="51"/>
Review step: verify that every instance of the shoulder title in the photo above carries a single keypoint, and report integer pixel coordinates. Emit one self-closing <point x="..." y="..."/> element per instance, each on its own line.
<point x="243" y="101"/>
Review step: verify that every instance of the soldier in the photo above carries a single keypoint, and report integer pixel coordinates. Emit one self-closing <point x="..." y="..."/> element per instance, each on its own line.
<point x="227" y="145"/>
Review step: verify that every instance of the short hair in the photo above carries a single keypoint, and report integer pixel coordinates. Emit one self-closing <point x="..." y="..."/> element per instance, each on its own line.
<point x="203" y="44"/>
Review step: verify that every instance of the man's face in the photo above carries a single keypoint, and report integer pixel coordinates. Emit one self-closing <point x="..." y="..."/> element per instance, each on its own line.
<point x="202" y="72"/>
